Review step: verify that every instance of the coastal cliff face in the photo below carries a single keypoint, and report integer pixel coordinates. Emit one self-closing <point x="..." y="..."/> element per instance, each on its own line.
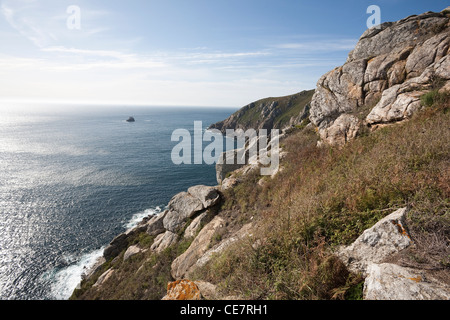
<point x="384" y="77"/>
<point x="367" y="219"/>
<point x="282" y="113"/>
<point x="269" y="113"/>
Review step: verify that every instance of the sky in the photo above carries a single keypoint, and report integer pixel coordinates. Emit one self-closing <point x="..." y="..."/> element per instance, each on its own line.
<point x="178" y="52"/>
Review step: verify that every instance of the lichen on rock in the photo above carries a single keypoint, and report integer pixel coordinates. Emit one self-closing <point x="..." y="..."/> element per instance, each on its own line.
<point x="182" y="290"/>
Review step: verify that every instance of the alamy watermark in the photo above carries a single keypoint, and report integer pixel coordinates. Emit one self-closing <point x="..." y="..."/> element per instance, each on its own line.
<point x="73" y="22"/>
<point x="252" y="147"/>
<point x="374" y="21"/>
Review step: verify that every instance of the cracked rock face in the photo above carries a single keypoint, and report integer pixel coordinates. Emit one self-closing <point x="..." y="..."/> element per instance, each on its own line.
<point x="209" y="196"/>
<point x="386" y="237"/>
<point x="182" y="265"/>
<point x="186" y="205"/>
<point x="163" y="241"/>
<point x="385" y="75"/>
<point x="388" y="281"/>
<point x="182" y="290"/>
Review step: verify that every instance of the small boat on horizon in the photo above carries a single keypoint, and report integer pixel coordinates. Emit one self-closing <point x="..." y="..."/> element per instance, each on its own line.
<point x="131" y="119"/>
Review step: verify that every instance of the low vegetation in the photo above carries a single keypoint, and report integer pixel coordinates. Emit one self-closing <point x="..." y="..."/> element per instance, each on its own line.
<point x="142" y="277"/>
<point x="323" y="198"/>
<point x="288" y="107"/>
<point x="326" y="197"/>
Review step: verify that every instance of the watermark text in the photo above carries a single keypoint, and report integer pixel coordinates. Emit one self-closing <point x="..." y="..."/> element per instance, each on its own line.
<point x="242" y="147"/>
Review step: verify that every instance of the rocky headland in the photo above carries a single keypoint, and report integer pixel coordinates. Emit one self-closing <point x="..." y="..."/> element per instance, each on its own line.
<point x="356" y="211"/>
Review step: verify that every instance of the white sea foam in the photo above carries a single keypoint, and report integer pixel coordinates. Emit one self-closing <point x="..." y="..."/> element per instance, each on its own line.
<point x="134" y="221"/>
<point x="66" y="280"/>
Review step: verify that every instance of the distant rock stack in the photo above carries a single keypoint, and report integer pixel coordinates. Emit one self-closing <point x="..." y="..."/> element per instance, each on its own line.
<point x="131" y="119"/>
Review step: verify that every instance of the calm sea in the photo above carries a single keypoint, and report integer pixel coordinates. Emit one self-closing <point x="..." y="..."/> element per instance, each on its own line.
<point x="71" y="180"/>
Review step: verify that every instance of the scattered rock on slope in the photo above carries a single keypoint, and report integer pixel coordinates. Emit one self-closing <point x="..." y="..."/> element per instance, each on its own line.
<point x="387" y="281"/>
<point x="165" y="226"/>
<point x="385" y="238"/>
<point x="186" y="205"/>
<point x="182" y="290"/>
<point x="182" y="266"/>
<point x="131" y="251"/>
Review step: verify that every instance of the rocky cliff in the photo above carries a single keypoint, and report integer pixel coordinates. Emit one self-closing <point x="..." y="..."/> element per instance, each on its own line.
<point x="269" y="113"/>
<point x="367" y="219"/>
<point x="282" y="113"/>
<point x="384" y="77"/>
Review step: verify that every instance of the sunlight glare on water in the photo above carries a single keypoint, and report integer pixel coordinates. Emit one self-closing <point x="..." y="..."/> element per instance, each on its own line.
<point x="72" y="181"/>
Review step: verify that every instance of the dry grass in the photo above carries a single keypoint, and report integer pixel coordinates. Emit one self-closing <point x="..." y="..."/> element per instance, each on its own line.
<point x="323" y="198"/>
<point x="141" y="277"/>
<point x="327" y="197"/>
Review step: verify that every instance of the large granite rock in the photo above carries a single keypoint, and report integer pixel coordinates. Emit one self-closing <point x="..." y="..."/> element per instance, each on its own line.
<point x="392" y="35"/>
<point x="182" y="207"/>
<point x="401" y="101"/>
<point x="182" y="290"/>
<point x="388" y="281"/>
<point x="186" y="205"/>
<point x="385" y="238"/>
<point x="209" y="196"/>
<point x="182" y="266"/>
<point x="155" y="225"/>
<point x="396" y="63"/>
<point x="163" y="241"/>
<point x="121" y="242"/>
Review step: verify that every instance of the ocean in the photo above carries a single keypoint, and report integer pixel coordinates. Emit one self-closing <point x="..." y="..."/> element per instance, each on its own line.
<point x="72" y="178"/>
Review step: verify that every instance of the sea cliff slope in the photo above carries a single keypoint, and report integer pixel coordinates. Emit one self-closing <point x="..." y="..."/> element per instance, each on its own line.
<point x="358" y="210"/>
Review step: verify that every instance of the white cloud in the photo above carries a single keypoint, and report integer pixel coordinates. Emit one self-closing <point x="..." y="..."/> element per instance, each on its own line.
<point x="45" y="25"/>
<point x="22" y="27"/>
<point x="43" y="79"/>
<point x="95" y="31"/>
<point x="101" y="53"/>
<point x="72" y="69"/>
<point x="197" y="77"/>
<point x="320" y="46"/>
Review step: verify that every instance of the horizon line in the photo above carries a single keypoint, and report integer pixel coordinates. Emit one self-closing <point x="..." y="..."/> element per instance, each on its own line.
<point x="25" y="102"/>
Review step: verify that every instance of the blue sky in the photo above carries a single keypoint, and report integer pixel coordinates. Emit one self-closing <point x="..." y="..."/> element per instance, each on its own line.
<point x="179" y="52"/>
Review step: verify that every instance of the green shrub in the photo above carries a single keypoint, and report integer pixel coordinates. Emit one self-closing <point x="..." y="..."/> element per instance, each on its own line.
<point x="435" y="96"/>
<point x="428" y="99"/>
